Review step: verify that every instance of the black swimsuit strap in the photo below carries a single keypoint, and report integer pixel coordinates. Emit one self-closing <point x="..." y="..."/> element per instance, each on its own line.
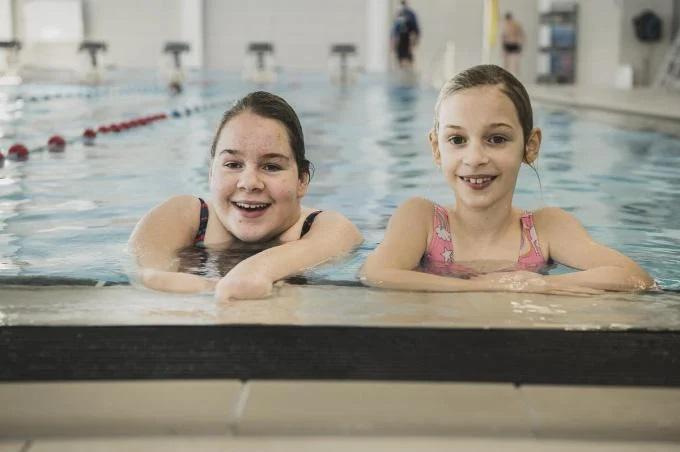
<point x="307" y="225"/>
<point x="203" y="225"/>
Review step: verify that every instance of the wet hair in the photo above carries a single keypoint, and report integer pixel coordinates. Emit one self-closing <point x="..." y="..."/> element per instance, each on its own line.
<point x="268" y="105"/>
<point x="490" y="75"/>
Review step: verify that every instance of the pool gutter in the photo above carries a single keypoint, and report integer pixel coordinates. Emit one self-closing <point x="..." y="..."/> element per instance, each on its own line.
<point x="285" y="352"/>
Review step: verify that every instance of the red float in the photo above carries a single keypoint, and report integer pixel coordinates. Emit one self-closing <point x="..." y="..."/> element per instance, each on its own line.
<point x="56" y="144"/>
<point x="17" y="152"/>
<point x="88" y="137"/>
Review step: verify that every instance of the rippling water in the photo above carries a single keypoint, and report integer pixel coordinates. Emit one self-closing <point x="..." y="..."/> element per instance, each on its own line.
<point x="69" y="215"/>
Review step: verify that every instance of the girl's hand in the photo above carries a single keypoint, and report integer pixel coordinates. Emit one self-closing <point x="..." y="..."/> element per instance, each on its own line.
<point x="240" y="286"/>
<point x="530" y="282"/>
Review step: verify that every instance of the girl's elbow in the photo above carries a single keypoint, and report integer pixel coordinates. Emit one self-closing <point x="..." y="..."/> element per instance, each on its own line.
<point x="371" y="275"/>
<point x="151" y="278"/>
<point x="644" y="282"/>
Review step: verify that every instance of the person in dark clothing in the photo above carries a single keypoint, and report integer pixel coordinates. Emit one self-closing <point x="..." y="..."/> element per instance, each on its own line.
<point x="405" y="35"/>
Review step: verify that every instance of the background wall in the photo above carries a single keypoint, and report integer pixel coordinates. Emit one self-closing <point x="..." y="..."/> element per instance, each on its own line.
<point x="646" y="58"/>
<point x="134" y="29"/>
<point x="598" y="42"/>
<point x="461" y="22"/>
<point x="301" y="30"/>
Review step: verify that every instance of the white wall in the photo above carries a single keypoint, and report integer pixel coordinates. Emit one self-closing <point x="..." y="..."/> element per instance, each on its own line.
<point x="459" y="21"/>
<point x="6" y="28"/>
<point x="134" y="29"/>
<point x="598" y="42"/>
<point x="191" y="31"/>
<point x="378" y="25"/>
<point x="302" y="31"/>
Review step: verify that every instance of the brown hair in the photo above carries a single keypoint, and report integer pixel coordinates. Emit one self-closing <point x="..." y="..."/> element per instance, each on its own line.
<point x="270" y="106"/>
<point x="490" y="75"/>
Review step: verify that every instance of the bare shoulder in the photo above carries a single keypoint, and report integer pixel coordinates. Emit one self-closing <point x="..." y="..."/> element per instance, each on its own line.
<point x="416" y="205"/>
<point x="175" y="217"/>
<point x="551" y="218"/>
<point x="416" y="211"/>
<point x="413" y="220"/>
<point x="180" y="205"/>
<point x="556" y="227"/>
<point x="329" y="220"/>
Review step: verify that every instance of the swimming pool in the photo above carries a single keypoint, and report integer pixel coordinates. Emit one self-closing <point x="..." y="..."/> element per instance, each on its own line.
<point x="69" y="215"/>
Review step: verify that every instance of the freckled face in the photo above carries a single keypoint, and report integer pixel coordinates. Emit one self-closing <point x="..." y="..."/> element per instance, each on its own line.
<point x="254" y="179"/>
<point x="480" y="145"/>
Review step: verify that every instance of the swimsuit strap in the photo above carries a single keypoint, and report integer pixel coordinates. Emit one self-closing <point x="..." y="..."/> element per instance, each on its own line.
<point x="534" y="254"/>
<point x="203" y="224"/>
<point x="307" y="225"/>
<point x="440" y="248"/>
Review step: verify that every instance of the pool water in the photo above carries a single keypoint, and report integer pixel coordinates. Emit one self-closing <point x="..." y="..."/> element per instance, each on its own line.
<point x="69" y="215"/>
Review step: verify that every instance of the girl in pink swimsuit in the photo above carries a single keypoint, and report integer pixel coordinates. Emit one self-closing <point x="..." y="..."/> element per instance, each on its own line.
<point x="439" y="256"/>
<point x="483" y="132"/>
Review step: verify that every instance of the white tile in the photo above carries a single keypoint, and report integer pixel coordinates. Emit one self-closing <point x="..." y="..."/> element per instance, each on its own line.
<point x="340" y="444"/>
<point x="11" y="445"/>
<point x="604" y="412"/>
<point x="313" y="407"/>
<point x="112" y="408"/>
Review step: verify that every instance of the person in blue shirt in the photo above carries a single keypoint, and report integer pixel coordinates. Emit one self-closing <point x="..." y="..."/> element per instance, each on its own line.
<point x="405" y="35"/>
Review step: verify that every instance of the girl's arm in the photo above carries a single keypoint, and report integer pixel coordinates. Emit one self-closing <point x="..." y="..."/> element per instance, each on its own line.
<point x="155" y="241"/>
<point x="331" y="235"/>
<point x="391" y="265"/>
<point x="601" y="267"/>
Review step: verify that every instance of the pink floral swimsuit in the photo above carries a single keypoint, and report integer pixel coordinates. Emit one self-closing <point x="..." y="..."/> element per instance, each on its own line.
<point x="439" y="256"/>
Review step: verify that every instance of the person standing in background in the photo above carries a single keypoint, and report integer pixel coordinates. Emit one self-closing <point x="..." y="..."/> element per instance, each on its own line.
<point x="513" y="39"/>
<point x="405" y="35"/>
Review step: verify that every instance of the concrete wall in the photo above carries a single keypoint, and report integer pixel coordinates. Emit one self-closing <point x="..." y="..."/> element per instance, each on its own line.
<point x="301" y="30"/>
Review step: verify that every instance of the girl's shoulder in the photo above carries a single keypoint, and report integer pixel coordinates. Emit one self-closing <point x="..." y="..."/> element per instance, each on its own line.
<point x="554" y="223"/>
<point x="172" y="222"/>
<point x="550" y="217"/>
<point x="183" y="208"/>
<point x="415" y="217"/>
<point x="418" y="204"/>
<point x="325" y="217"/>
<point x="321" y="221"/>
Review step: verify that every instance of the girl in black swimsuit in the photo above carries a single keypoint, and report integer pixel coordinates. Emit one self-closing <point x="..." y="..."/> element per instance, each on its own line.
<point x="254" y="218"/>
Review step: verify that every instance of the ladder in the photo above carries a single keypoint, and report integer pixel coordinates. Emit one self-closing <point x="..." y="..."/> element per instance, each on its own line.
<point x="669" y="75"/>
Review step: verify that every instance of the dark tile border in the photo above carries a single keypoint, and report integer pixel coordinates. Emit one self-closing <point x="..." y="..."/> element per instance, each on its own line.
<point x="519" y="356"/>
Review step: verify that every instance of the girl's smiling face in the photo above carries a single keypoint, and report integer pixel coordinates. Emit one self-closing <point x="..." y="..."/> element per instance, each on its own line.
<point x="254" y="178"/>
<point x="480" y="145"/>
